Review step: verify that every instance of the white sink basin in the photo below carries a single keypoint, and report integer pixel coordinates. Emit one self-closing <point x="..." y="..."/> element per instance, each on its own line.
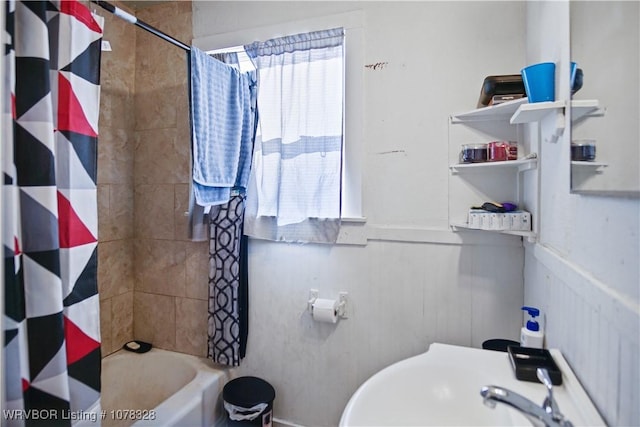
<point x="442" y="387"/>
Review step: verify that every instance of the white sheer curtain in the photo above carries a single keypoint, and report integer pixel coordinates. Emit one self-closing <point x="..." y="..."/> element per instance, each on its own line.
<point x="295" y="185"/>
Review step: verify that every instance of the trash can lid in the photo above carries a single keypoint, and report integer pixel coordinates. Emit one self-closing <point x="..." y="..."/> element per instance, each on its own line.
<point x="498" y="344"/>
<point x="248" y="391"/>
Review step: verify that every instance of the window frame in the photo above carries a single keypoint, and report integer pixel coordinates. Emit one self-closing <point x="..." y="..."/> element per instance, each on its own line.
<point x="352" y="22"/>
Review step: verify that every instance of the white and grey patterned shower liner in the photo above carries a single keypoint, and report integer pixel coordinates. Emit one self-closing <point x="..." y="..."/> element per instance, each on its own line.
<point x="228" y="284"/>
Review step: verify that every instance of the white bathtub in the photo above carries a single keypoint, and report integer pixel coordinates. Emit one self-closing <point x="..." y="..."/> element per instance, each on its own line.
<point x="161" y="388"/>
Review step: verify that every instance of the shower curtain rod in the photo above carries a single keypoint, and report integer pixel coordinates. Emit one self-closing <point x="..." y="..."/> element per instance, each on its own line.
<point x="133" y="20"/>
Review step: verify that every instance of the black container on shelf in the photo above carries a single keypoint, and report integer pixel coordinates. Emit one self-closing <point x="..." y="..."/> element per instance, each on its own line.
<point x="473" y="153"/>
<point x="583" y="150"/>
<point x="509" y="84"/>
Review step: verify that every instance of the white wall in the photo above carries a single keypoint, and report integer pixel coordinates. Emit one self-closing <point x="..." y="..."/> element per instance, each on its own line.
<point x="415" y="282"/>
<point x="583" y="273"/>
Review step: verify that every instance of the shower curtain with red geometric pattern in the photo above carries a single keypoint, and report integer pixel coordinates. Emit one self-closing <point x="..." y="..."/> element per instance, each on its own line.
<point x="51" y="95"/>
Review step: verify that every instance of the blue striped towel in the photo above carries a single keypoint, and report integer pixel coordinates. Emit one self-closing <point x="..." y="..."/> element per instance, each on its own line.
<point x="221" y="129"/>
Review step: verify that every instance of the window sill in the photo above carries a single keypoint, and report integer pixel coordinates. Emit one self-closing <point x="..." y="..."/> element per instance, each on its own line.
<point x="353" y="231"/>
<point x="356" y="220"/>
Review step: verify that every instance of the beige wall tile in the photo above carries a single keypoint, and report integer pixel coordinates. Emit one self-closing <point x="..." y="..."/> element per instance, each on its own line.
<point x="160" y="158"/>
<point x="184" y="7"/>
<point x="125" y="5"/>
<point x="160" y="266"/>
<point x="115" y="156"/>
<point x="180" y="28"/>
<point x="105" y="327"/>
<point x="157" y="15"/>
<point x="191" y="326"/>
<point x="181" y="204"/>
<point x="116" y="110"/>
<point x="154" y="213"/>
<point x="197" y="283"/>
<point x="197" y="280"/>
<point x="115" y="212"/>
<point x="161" y="67"/>
<point x="103" y="211"/>
<point x="121" y="319"/>
<point x="155" y="109"/>
<point x="115" y="268"/>
<point x="154" y="320"/>
<point x="121" y="211"/>
<point x="116" y="70"/>
<point x="183" y="122"/>
<point x="155" y="65"/>
<point x="118" y="65"/>
<point x="155" y="83"/>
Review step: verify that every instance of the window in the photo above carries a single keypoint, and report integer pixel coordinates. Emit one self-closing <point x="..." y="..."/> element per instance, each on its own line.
<point x="351" y="205"/>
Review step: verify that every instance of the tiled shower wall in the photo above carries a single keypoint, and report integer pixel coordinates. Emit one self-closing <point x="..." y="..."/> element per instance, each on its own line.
<point x="115" y="185"/>
<point x="153" y="280"/>
<point x="170" y="301"/>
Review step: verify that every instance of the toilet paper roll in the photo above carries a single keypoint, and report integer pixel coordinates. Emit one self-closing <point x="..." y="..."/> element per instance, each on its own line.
<point x="325" y="310"/>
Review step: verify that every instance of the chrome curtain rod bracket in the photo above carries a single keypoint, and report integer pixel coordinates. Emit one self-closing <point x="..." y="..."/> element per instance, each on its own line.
<point x="133" y="20"/>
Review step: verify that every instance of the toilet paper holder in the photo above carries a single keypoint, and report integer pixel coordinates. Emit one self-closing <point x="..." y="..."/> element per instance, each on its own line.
<point x="342" y="302"/>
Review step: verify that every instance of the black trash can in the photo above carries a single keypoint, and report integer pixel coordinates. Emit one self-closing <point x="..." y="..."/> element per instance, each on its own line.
<point x="248" y="401"/>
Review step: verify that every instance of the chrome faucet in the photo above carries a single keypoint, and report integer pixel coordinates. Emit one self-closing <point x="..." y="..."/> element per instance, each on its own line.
<point x="549" y="413"/>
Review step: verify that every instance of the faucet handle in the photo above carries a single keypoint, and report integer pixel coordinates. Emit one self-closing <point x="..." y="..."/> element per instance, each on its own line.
<point x="550" y="405"/>
<point x="543" y="376"/>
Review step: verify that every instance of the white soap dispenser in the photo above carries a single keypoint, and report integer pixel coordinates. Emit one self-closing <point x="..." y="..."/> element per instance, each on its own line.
<point x="531" y="335"/>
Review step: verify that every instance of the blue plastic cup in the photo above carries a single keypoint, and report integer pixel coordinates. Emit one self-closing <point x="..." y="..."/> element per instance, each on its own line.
<point x="572" y="79"/>
<point x="539" y="81"/>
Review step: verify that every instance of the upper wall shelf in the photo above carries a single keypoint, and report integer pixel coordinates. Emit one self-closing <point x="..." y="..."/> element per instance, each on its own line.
<point x="520" y="111"/>
<point x="502" y="111"/>
<point x="585" y="108"/>
<point x="528" y="113"/>
<point x="516" y="112"/>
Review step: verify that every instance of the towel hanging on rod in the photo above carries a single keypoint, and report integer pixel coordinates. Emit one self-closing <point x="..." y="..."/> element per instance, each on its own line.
<point x="133" y="20"/>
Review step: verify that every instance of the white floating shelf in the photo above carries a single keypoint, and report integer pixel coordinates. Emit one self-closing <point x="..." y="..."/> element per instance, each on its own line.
<point x="502" y="111"/>
<point x="528" y="113"/>
<point x="585" y="108"/>
<point x="588" y="165"/>
<point x="516" y="112"/>
<point x="530" y="235"/>
<point x="520" y="165"/>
